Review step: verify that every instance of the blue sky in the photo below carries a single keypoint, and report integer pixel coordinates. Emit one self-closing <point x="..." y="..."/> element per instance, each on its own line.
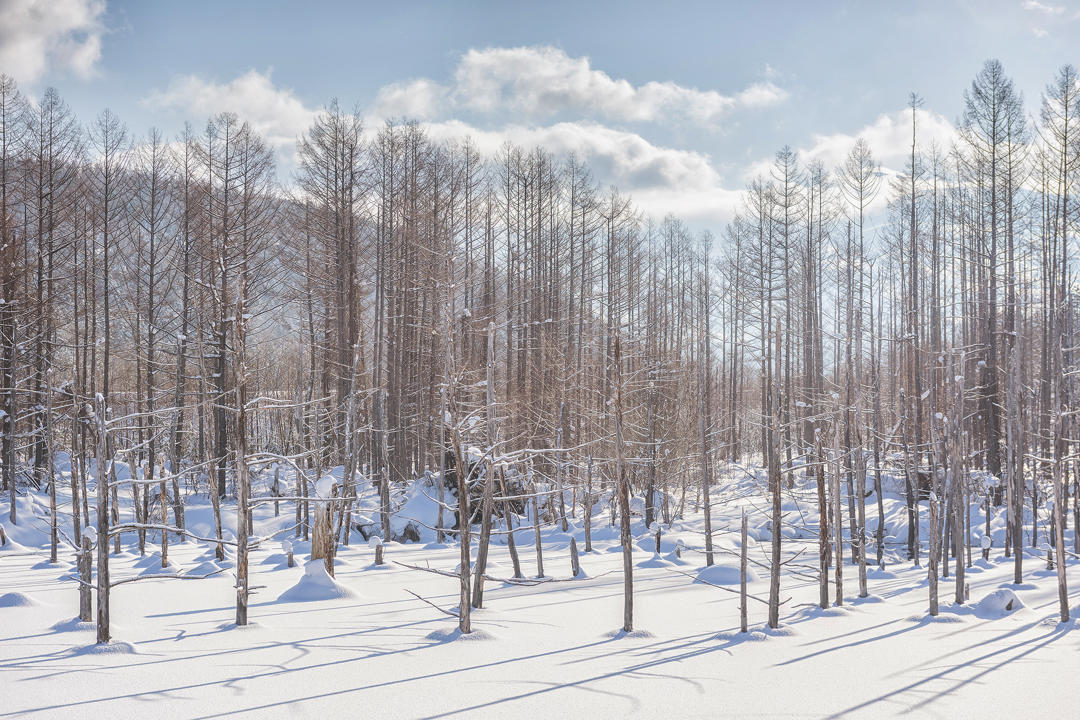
<point x="677" y="103"/>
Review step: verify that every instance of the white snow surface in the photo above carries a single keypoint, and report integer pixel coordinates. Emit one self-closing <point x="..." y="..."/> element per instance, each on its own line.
<point x="360" y="644"/>
<point x="316" y="584"/>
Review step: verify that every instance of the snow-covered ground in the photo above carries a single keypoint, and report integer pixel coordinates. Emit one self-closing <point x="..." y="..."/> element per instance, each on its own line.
<point x="363" y="646"/>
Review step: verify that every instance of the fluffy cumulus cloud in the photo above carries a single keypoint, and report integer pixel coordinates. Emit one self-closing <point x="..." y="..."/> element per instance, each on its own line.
<point x="274" y="112"/>
<point x="561" y="103"/>
<point x="421" y="99"/>
<point x="531" y="86"/>
<point x="543" y="82"/>
<point x="37" y="36"/>
<point x="637" y="162"/>
<point x="889" y="137"/>
<point x="660" y="179"/>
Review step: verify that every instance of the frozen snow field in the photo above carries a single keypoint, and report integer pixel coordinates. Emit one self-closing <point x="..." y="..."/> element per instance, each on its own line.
<point x="366" y="647"/>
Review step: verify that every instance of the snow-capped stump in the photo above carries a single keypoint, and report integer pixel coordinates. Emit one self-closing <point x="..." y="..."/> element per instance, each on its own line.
<point x="16" y="599"/>
<point x="287" y="548"/>
<point x="316" y="584"/>
<point x="724" y="574"/>
<point x="998" y="604"/>
<point x="376" y="542"/>
<point x="379" y="561"/>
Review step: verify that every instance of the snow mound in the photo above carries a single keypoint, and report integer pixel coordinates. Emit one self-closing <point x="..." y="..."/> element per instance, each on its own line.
<point x="155" y="568"/>
<point x="251" y="625"/>
<point x="748" y="636"/>
<point x="13" y="547"/>
<point x="315" y="584"/>
<point x="673" y="559"/>
<point x="816" y="611"/>
<point x="633" y="634"/>
<point x="654" y="562"/>
<point x="781" y="631"/>
<point x="148" y="561"/>
<point x="113" y="647"/>
<point x="998" y="604"/>
<point x="724" y="574"/>
<point x="1054" y="621"/>
<point x="755" y="634"/>
<point x="72" y="625"/>
<point x="437" y="546"/>
<point x="17" y="599"/>
<point x="280" y="560"/>
<point x="204" y="568"/>
<point x="413" y="520"/>
<point x="456" y="634"/>
<point x="211" y="556"/>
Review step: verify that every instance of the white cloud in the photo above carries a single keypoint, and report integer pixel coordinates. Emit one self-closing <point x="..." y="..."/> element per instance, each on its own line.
<point x="419" y="99"/>
<point x="1048" y="13"/>
<point x="660" y="179"/>
<point x="889" y="137"/>
<point x="761" y="95"/>
<point x="37" y="36"/>
<point x="542" y="82"/>
<point x="1036" y="6"/>
<point x="274" y="112"/>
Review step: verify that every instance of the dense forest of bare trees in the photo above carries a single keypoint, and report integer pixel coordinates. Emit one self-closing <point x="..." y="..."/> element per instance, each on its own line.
<point x="172" y="305"/>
